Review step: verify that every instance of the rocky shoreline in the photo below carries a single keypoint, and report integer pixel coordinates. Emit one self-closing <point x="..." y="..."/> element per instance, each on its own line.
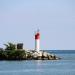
<point x="42" y="55"/>
<point x="26" y="55"/>
<point x="13" y="53"/>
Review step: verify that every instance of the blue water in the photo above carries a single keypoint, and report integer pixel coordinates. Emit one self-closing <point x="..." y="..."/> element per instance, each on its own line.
<point x="65" y="66"/>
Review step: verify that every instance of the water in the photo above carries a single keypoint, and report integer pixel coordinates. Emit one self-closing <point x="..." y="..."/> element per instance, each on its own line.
<point x="65" y="66"/>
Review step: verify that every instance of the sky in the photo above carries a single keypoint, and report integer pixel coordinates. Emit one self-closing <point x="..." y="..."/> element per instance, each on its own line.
<point x="19" y="19"/>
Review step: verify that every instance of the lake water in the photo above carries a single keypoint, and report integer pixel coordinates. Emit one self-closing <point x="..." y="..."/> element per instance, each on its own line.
<point x="65" y="66"/>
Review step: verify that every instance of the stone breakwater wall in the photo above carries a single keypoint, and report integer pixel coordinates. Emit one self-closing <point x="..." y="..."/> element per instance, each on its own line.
<point x="41" y="55"/>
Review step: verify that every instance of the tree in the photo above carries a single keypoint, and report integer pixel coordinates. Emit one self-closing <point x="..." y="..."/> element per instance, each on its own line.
<point x="10" y="46"/>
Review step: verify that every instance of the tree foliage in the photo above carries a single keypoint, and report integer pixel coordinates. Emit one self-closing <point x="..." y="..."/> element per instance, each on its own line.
<point x="11" y="53"/>
<point x="10" y="46"/>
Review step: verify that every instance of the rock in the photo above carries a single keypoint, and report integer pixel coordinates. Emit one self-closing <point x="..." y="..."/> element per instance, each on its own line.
<point x="41" y="55"/>
<point x="45" y="54"/>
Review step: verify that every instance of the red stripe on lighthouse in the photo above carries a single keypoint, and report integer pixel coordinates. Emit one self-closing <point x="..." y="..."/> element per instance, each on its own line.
<point x="37" y="36"/>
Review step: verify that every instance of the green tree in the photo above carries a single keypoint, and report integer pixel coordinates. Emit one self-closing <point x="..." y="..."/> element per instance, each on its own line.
<point x="10" y="46"/>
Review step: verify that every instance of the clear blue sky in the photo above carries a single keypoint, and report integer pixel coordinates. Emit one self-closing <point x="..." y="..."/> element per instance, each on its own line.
<point x="19" y="19"/>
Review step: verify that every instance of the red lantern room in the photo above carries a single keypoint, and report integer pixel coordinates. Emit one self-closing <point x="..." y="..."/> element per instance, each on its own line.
<point x="37" y="36"/>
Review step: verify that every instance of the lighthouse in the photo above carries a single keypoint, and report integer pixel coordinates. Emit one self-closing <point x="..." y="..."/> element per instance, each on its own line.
<point x="37" y="41"/>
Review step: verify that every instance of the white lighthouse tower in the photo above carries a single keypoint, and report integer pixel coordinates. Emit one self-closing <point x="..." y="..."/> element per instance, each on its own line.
<point x="37" y="41"/>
